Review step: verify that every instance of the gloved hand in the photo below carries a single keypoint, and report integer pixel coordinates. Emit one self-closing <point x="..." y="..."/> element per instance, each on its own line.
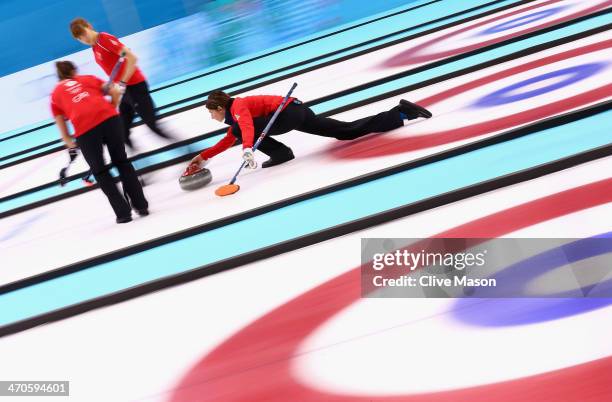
<point x="106" y="87"/>
<point x="121" y="87"/>
<point x="198" y="160"/>
<point x="73" y="153"/>
<point x="249" y="158"/>
<point x="196" y="164"/>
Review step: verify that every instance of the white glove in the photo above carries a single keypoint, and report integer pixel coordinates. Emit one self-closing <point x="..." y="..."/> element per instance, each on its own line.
<point x="249" y="158"/>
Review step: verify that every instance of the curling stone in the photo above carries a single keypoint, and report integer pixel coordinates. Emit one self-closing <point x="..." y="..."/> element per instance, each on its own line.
<point x="194" y="178"/>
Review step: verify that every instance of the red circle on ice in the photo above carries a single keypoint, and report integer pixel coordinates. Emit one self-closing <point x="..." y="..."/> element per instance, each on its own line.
<point x="381" y="145"/>
<point x="255" y="364"/>
<point x="417" y="55"/>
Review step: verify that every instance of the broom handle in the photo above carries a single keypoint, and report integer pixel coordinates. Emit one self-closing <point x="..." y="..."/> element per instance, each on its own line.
<point x="116" y="68"/>
<point x="114" y="73"/>
<point x="265" y="131"/>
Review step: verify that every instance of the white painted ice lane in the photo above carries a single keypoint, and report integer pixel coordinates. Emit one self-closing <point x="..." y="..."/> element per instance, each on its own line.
<point x="320" y="162"/>
<point x="86" y="222"/>
<point x="286" y="324"/>
<point x="325" y="81"/>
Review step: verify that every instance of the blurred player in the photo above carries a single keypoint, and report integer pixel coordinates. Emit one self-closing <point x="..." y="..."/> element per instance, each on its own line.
<point x="136" y="98"/>
<point x="81" y="99"/>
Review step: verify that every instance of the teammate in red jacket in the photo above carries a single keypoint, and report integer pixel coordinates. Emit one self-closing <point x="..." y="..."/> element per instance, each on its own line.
<point x="248" y="116"/>
<point x="80" y="98"/>
<point x="136" y="98"/>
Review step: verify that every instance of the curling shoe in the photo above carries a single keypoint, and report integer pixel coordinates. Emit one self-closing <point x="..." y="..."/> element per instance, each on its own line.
<point x="124" y="219"/>
<point x="412" y="110"/>
<point x="277" y="160"/>
<point x="142" y="212"/>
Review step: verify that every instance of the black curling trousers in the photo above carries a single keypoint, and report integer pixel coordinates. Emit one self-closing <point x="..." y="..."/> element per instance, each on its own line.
<point x="110" y="132"/>
<point x="298" y="116"/>
<point x="137" y="99"/>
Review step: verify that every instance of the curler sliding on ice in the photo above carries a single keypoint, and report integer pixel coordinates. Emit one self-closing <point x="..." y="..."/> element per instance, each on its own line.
<point x="249" y="116"/>
<point x="247" y="157"/>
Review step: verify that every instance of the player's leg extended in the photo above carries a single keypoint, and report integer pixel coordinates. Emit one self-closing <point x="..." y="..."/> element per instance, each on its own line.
<point x="378" y="123"/>
<point x="143" y="103"/>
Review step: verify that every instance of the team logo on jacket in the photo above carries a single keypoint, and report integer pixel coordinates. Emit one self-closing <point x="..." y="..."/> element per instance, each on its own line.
<point x="237" y="116"/>
<point x="79" y="97"/>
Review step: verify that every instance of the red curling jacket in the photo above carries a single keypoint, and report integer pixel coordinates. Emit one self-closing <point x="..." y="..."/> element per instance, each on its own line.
<point x="241" y="112"/>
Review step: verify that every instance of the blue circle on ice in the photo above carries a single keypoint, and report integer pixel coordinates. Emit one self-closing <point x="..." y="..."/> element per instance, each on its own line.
<point x="522" y="20"/>
<point x="512" y="92"/>
<point x="522" y="310"/>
